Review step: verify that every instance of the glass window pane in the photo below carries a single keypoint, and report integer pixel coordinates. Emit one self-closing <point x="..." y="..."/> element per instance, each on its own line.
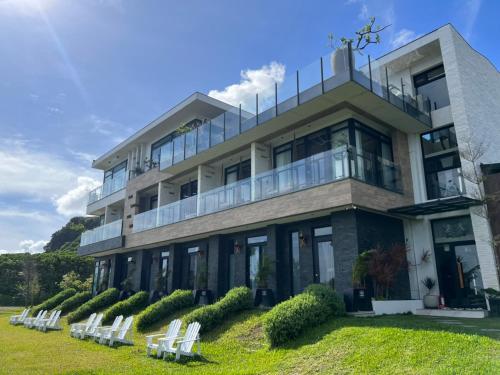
<point x="439" y="141"/>
<point x="455" y="229"/>
<point x="432" y="84"/>
<point x="231" y="263"/>
<point x="232" y="124"/>
<point x="192" y="266"/>
<point x="259" y="239"/>
<point x="253" y="265"/>
<point x="166" y="155"/>
<point x="179" y="148"/>
<point x="325" y="231"/>
<point x="203" y="137"/>
<point x="326" y="263"/>
<point x="190" y="143"/>
<point x="217" y="130"/>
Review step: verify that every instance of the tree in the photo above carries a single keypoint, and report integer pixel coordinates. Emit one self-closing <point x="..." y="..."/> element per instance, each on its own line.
<point x="29" y="288"/>
<point x="70" y="232"/>
<point x="472" y="152"/>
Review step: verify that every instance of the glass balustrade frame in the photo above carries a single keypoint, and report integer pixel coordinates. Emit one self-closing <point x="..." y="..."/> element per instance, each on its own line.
<point x="102" y="233"/>
<point x="316" y="170"/>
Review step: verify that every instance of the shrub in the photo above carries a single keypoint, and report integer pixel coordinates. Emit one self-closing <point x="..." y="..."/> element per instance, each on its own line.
<point x="128" y="307"/>
<point x="237" y="299"/>
<point x="105" y="299"/>
<point x="54" y="300"/>
<point x="176" y="301"/>
<point x="291" y="318"/>
<point x="73" y="302"/>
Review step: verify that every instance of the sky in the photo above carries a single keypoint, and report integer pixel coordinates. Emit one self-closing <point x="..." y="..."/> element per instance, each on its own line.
<point x="78" y="77"/>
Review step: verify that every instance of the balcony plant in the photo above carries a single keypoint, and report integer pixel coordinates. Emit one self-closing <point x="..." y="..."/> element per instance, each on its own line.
<point x="368" y="34"/>
<point x="264" y="296"/>
<point x="430" y="301"/>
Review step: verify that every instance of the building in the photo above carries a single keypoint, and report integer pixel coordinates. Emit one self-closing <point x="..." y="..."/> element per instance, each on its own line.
<point x="328" y="163"/>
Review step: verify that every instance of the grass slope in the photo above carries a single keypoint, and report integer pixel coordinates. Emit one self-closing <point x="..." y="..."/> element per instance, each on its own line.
<point x="402" y="344"/>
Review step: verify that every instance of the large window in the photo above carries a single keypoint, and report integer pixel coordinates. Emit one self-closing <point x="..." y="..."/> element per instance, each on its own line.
<point x="431" y="84"/>
<point x="192" y="266"/>
<point x="189" y="189"/>
<point x="101" y="276"/>
<point x="256" y="249"/>
<point x="114" y="178"/>
<point x="237" y="172"/>
<point x="442" y="163"/>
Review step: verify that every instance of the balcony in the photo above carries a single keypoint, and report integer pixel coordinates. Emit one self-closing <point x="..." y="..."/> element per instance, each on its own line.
<point x="315" y="85"/>
<point x="109" y="187"/>
<point x="103" y="238"/>
<point x="323" y="168"/>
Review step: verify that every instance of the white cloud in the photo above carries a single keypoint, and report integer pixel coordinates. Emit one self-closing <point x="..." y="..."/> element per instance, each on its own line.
<point x="402" y="37"/>
<point x="54" y="110"/>
<point x="471" y="10"/>
<point x="363" y="13"/>
<point x="73" y="203"/>
<point x="15" y="212"/>
<point x="27" y="246"/>
<point x="252" y="81"/>
<point x="28" y="171"/>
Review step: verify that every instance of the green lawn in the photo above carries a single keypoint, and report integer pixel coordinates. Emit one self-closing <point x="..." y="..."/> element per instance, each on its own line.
<point x="392" y="345"/>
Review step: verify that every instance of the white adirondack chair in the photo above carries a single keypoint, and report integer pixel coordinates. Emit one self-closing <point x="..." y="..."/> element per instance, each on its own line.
<point x="124" y="334"/>
<point x="91" y="331"/>
<point x="19" y="319"/>
<point x="38" y="325"/>
<point x="31" y="322"/>
<point x="165" y="339"/>
<point x="104" y="332"/>
<point x="185" y="344"/>
<point x="53" y="324"/>
<point x="76" y="328"/>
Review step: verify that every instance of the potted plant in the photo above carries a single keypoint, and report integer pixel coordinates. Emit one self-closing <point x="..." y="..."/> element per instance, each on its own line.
<point x="430" y="301"/>
<point x="493" y="301"/>
<point x="127" y="288"/>
<point x="203" y="296"/>
<point x="361" y="298"/>
<point x="368" y="34"/>
<point x="264" y="296"/>
<point x="160" y="288"/>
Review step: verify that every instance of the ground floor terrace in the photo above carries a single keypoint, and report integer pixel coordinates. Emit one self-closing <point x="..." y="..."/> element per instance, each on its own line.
<point x="279" y="260"/>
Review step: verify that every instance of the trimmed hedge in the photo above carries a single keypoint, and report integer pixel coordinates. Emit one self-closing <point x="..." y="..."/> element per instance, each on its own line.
<point x="73" y="302"/>
<point x="291" y="318"/>
<point x="237" y="299"/>
<point x="176" y="301"/>
<point x="130" y="306"/>
<point x="105" y="299"/>
<point x="53" y="301"/>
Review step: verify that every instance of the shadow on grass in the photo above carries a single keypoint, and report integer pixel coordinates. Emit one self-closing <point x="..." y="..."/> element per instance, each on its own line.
<point x="408" y="322"/>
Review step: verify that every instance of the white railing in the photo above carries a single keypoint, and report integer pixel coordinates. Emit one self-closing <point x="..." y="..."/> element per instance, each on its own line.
<point x="104" y="232"/>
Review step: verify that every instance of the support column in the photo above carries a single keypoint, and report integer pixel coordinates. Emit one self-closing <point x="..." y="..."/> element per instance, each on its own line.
<point x="213" y="267"/>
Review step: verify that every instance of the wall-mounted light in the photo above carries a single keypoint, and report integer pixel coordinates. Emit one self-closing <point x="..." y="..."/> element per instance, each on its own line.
<point x="302" y="239"/>
<point x="237" y="247"/>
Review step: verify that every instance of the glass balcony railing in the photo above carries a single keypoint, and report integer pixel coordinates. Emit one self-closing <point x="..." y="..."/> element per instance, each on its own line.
<point x="109" y="187"/>
<point x="319" y="169"/>
<point x="288" y="92"/>
<point x="104" y="232"/>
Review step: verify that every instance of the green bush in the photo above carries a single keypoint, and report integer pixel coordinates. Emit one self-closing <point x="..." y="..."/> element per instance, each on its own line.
<point x="54" y="300"/>
<point x="237" y="299"/>
<point x="176" y="301"/>
<point x="128" y="307"/>
<point x="99" y="302"/>
<point x="291" y="318"/>
<point x="73" y="302"/>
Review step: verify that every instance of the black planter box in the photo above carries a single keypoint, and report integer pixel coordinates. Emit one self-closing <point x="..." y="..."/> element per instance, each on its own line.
<point x="362" y="300"/>
<point x="264" y="298"/>
<point x="494" y="306"/>
<point x="203" y="297"/>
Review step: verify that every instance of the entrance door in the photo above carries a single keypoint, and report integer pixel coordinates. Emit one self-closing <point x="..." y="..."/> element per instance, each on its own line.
<point x="324" y="271"/>
<point x="459" y="274"/>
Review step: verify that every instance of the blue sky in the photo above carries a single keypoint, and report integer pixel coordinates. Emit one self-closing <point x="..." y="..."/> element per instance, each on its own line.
<point x="77" y="77"/>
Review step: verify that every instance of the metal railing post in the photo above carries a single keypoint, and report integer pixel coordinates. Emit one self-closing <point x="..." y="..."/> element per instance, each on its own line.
<point x="275" y="98"/>
<point x="257" y="109"/>
<point x="403" y="94"/>
<point x="349" y="58"/>
<point x="239" y="120"/>
<point x="298" y="88"/>
<point x="370" y="72"/>
<point x="387" y="85"/>
<point x="322" y="77"/>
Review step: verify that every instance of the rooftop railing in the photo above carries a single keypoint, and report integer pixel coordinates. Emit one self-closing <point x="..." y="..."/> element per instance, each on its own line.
<point x="287" y="92"/>
<point x="319" y="169"/>
<point x="104" y="232"/>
